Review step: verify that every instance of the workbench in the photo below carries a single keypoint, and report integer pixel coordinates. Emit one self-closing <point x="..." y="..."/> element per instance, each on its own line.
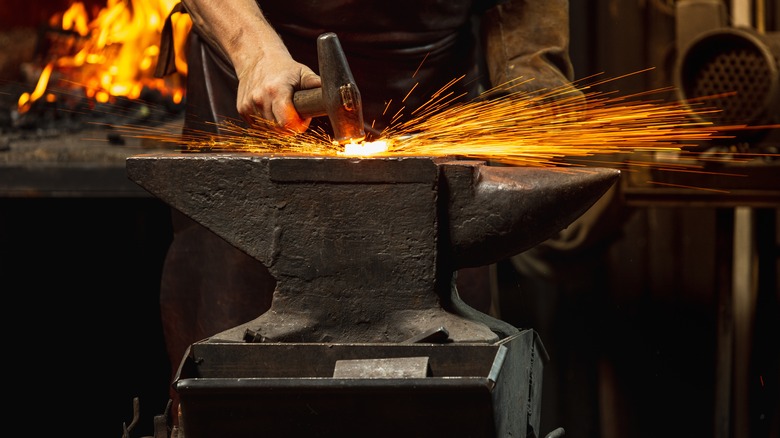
<point x="90" y="163"/>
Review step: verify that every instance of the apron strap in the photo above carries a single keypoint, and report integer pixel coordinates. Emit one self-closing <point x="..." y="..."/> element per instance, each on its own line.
<point x="166" y="60"/>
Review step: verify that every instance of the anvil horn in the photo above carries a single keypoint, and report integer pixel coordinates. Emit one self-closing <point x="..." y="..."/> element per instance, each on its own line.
<point x="496" y="212"/>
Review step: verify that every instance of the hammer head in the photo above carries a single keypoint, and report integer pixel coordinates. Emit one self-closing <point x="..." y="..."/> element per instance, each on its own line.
<point x="338" y="98"/>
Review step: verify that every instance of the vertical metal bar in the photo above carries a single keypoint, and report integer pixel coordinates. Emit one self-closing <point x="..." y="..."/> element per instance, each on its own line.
<point x="745" y="295"/>
<point x="725" y="334"/>
<point x="761" y="16"/>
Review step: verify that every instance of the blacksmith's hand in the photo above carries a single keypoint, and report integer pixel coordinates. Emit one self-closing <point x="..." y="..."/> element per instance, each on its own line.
<point x="267" y="74"/>
<point x="266" y="85"/>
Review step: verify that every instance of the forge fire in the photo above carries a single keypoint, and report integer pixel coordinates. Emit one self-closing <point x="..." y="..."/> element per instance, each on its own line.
<point x="112" y="54"/>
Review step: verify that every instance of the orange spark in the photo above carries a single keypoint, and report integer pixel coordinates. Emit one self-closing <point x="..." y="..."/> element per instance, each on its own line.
<point x="681" y="186"/>
<point x="548" y="127"/>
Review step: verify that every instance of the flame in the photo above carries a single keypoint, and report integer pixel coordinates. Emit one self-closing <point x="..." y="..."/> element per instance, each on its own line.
<point x="117" y="52"/>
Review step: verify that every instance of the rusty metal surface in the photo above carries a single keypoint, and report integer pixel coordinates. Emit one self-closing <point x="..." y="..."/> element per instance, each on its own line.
<point x="363" y="250"/>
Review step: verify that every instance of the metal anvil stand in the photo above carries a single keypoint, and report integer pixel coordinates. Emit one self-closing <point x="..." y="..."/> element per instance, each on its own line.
<point x="366" y="334"/>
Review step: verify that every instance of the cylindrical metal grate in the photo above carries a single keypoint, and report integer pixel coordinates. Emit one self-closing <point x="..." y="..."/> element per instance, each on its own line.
<point x="734" y="71"/>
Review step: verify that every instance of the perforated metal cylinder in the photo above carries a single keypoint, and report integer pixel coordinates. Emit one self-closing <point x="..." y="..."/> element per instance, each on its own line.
<point x="733" y="71"/>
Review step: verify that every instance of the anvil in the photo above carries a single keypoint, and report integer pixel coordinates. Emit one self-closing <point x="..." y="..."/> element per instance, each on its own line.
<point x="364" y="249"/>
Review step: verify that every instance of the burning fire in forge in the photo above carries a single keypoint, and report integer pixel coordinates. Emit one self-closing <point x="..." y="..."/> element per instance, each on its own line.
<point x="107" y="54"/>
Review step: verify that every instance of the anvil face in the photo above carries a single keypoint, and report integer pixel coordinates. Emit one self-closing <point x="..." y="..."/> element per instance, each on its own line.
<point x="363" y="250"/>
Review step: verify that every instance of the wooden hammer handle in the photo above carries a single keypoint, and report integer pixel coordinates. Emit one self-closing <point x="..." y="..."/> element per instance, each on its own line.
<point x="309" y="103"/>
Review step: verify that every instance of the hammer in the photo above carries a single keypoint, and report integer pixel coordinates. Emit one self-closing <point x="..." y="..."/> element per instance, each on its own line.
<point x="338" y="98"/>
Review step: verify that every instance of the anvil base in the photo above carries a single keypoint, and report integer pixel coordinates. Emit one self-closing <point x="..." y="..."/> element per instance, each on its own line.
<point x="287" y="389"/>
